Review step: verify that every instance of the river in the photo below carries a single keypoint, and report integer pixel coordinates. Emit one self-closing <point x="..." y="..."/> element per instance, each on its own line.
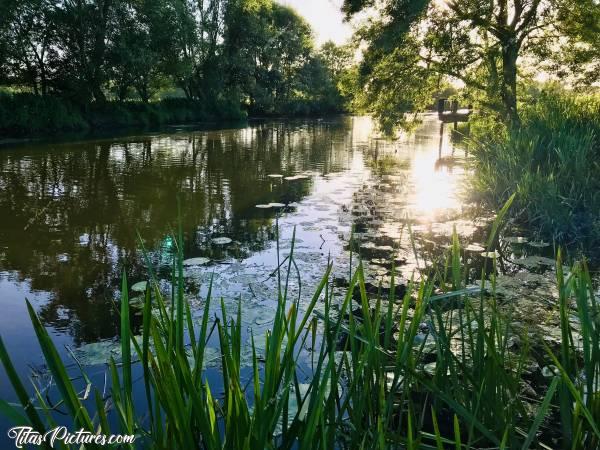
<point x="72" y="211"/>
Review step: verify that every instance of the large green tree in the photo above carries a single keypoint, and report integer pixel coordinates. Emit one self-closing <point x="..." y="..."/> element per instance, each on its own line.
<point x="83" y="29"/>
<point x="134" y="55"/>
<point x="476" y="41"/>
<point x="267" y="49"/>
<point x="188" y="34"/>
<point x="28" y="43"/>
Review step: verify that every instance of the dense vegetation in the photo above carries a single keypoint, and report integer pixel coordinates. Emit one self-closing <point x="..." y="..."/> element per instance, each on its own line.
<point x="442" y="366"/>
<point x="373" y="384"/>
<point x="492" y="47"/>
<point x="544" y="147"/>
<point x="551" y="161"/>
<point x="81" y="64"/>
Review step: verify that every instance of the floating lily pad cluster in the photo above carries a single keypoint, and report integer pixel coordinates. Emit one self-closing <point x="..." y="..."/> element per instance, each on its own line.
<point x="223" y="240"/>
<point x="271" y="205"/>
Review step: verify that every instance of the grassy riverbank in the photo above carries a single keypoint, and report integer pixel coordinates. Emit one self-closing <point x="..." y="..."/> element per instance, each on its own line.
<point x="24" y="115"/>
<point x="443" y="366"/>
<point x="551" y="160"/>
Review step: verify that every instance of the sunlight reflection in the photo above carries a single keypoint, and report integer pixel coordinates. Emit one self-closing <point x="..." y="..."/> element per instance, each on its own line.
<point x="434" y="191"/>
<point x="435" y="183"/>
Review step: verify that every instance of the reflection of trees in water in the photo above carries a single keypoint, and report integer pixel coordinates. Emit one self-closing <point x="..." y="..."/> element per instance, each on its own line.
<point x="71" y="211"/>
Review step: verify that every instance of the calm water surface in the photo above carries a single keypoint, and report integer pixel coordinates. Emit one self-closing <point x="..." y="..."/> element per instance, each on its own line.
<point x="71" y="213"/>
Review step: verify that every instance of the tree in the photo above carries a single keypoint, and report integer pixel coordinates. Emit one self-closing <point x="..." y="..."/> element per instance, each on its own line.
<point x="476" y="41"/>
<point x="266" y="48"/>
<point x="220" y="53"/>
<point x="83" y="28"/>
<point x="133" y="56"/>
<point x="188" y="34"/>
<point x="577" y="57"/>
<point x="29" y="38"/>
<point x="337" y="58"/>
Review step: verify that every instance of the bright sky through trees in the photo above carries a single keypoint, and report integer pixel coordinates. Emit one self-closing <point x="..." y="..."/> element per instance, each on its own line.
<point x="325" y="17"/>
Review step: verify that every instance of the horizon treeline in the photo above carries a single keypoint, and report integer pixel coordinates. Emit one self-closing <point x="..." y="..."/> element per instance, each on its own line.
<point x="232" y="56"/>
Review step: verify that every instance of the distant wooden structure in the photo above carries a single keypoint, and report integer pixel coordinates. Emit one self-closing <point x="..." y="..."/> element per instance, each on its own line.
<point x="454" y="115"/>
<point x="449" y="112"/>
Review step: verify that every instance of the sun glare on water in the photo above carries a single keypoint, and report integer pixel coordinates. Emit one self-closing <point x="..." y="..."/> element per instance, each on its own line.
<point x="435" y="188"/>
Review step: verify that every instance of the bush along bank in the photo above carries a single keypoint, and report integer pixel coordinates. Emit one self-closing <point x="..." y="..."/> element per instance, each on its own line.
<point x="551" y="160"/>
<point x="23" y="115"/>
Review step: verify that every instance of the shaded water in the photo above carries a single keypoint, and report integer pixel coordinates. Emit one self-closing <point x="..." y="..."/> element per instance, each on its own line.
<point x="71" y="211"/>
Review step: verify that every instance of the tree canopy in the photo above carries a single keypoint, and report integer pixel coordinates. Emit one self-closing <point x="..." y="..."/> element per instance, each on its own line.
<point x="256" y="54"/>
<point x="412" y="44"/>
<point x="577" y="56"/>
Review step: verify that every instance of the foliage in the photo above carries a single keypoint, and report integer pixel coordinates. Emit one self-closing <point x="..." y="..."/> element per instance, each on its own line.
<point x="24" y="114"/>
<point x="369" y="387"/>
<point x="551" y="161"/>
<point x="253" y="53"/>
<point x="270" y="57"/>
<point x="576" y="58"/>
<point x="480" y="43"/>
<point x="338" y="60"/>
<point x="398" y="85"/>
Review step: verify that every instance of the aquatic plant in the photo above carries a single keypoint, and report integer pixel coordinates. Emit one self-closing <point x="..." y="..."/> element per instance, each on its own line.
<point x="550" y="160"/>
<point x="436" y="369"/>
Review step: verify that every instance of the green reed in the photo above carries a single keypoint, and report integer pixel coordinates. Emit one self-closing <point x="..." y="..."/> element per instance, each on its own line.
<point x="369" y="387"/>
<point x="550" y="160"/>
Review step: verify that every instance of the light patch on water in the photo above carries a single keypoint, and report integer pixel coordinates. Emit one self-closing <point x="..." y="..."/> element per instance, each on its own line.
<point x="434" y="191"/>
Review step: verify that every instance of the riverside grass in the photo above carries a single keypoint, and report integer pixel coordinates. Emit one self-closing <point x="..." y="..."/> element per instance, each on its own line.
<point x="374" y="395"/>
<point x="551" y="160"/>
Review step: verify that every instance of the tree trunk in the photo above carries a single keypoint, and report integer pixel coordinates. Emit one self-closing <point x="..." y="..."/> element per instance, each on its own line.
<point x="43" y="80"/>
<point x="143" y="91"/>
<point x="99" y="51"/>
<point x="510" y="53"/>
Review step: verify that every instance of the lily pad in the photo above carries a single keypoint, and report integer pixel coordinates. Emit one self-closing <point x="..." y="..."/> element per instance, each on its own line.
<point x="212" y="358"/>
<point x="430" y="368"/>
<point x="98" y="352"/>
<point x="223" y="240"/>
<point x="137" y="302"/>
<point x="139" y="286"/>
<point x="296" y="177"/>
<point x="516" y="240"/>
<point x="550" y="371"/>
<point x="534" y="262"/>
<point x="196" y="261"/>
<point x="540" y="244"/>
<point x="475" y="248"/>
<point x="490" y="254"/>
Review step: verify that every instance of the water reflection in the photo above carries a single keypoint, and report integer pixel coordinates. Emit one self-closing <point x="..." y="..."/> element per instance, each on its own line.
<point x="71" y="211"/>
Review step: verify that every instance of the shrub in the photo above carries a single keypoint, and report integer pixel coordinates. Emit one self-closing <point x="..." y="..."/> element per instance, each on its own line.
<point x="22" y="114"/>
<point x="551" y="161"/>
<point x="28" y="114"/>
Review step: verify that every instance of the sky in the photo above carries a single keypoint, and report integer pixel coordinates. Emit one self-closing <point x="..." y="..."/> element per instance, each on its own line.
<point x="325" y="18"/>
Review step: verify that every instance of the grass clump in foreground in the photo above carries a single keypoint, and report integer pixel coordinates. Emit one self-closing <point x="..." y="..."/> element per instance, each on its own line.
<point x="369" y="387"/>
<point x="552" y="161"/>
